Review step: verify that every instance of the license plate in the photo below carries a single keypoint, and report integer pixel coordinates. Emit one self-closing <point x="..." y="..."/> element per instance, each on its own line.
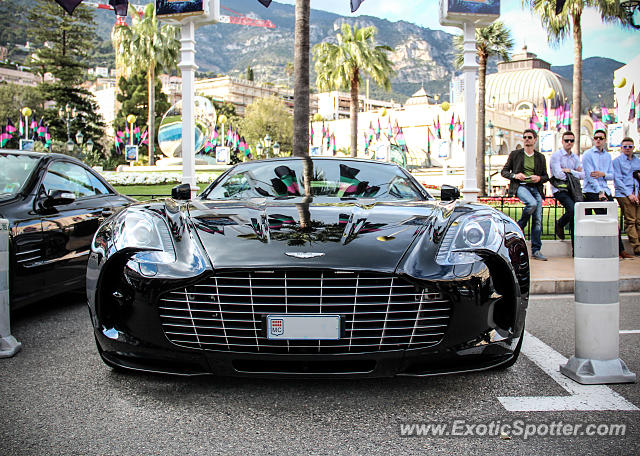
<point x="303" y="327"/>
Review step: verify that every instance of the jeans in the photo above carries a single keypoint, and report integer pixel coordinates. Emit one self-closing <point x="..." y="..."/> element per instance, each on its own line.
<point x="568" y="203"/>
<point x="530" y="196"/>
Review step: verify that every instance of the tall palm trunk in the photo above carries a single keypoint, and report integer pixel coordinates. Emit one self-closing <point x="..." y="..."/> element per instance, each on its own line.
<point x="151" y="119"/>
<point x="355" y="79"/>
<point x="480" y="128"/>
<point x="301" y="80"/>
<point x="577" y="79"/>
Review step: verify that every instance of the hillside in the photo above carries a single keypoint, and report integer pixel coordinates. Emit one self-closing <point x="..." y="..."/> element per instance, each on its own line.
<point x="597" y="78"/>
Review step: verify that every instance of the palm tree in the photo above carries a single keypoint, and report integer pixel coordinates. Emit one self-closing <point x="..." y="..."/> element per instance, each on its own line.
<point x="339" y="66"/>
<point x="301" y="80"/>
<point x="492" y="40"/>
<point x="147" y="44"/>
<point x="559" y="26"/>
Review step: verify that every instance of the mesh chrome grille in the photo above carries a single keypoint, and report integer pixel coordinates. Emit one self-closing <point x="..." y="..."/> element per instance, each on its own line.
<point x="226" y="311"/>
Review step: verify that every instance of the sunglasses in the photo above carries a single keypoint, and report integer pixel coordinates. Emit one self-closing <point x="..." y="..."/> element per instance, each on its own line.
<point x="627" y="147"/>
<point x="529" y="137"/>
<point x="599" y="138"/>
<point x="569" y="140"/>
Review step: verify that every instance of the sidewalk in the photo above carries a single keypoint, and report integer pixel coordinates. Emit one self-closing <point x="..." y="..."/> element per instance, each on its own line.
<point x="556" y="275"/>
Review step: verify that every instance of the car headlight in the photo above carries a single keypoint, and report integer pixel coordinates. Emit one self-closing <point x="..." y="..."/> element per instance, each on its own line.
<point x="145" y="231"/>
<point x="469" y="234"/>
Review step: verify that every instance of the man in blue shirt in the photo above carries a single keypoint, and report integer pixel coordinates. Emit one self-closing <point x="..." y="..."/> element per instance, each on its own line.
<point x="562" y="163"/>
<point x="598" y="169"/>
<point x="627" y="192"/>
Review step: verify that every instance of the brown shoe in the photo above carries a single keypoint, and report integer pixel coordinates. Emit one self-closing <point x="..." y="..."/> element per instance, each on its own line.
<point x="625" y="255"/>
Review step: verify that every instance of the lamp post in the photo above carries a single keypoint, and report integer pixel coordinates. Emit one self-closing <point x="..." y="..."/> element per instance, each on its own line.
<point x="267" y="144"/>
<point x="222" y="120"/>
<point x="131" y="119"/>
<point x="90" y="146"/>
<point x="276" y="149"/>
<point x="259" y="149"/>
<point x="490" y="128"/>
<point x="67" y="114"/>
<point x="26" y="112"/>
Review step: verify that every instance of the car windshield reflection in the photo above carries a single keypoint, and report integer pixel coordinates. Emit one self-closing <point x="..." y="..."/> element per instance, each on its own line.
<point x="14" y="172"/>
<point x="329" y="179"/>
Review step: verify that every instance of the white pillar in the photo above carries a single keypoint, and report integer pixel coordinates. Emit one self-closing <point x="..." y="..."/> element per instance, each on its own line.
<point x="9" y="346"/>
<point x="188" y="67"/>
<point x="470" y="188"/>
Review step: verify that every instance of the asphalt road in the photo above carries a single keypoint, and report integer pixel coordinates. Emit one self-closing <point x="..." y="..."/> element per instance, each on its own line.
<point x="57" y="397"/>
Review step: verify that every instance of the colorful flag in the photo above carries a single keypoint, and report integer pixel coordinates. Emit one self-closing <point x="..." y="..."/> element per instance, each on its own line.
<point x="144" y="137"/>
<point x="390" y="132"/>
<point x="429" y="139"/>
<point x="632" y="105"/>
<point x="4" y="138"/>
<point x="606" y="117"/>
<point x="10" y="129"/>
<point x="438" y="133"/>
<point x="349" y="183"/>
<point x="34" y="126"/>
<point x="324" y="131"/>
<point x="311" y="135"/>
<point x="566" y="123"/>
<point x="214" y="136"/>
<point x="41" y="130"/>
<point x="21" y="127"/>
<point x="244" y="148"/>
<point x="47" y="138"/>
<point x="334" y="149"/>
<point x="597" y="123"/>
<point x="451" y="126"/>
<point x="136" y="133"/>
<point x="534" y="122"/>
<point x="401" y="140"/>
<point x="366" y="143"/>
<point x="638" y="111"/>
<point x="378" y="130"/>
<point x="545" y="117"/>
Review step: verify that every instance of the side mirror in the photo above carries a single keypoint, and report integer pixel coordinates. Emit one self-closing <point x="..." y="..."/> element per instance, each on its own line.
<point x="181" y="192"/>
<point x="58" y="198"/>
<point x="449" y="193"/>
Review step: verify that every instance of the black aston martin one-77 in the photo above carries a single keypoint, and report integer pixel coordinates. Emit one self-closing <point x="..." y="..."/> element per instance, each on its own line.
<point x="309" y="267"/>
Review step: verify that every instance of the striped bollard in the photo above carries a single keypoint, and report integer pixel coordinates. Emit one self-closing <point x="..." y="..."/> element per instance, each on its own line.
<point x="9" y="346"/>
<point x="597" y="308"/>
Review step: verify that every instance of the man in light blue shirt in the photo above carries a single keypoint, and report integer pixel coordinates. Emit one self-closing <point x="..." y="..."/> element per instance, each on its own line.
<point x="562" y="163"/>
<point x="598" y="169"/>
<point x="627" y="192"/>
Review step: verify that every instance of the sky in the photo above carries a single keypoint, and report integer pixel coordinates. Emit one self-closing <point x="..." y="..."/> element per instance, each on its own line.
<point x="598" y="39"/>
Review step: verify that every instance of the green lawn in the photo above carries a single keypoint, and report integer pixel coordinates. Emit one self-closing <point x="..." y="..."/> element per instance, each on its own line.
<point x="147" y="190"/>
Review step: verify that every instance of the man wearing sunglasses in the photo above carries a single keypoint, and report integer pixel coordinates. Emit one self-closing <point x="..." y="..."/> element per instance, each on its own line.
<point x="627" y="191"/>
<point x="598" y="169"/>
<point x="562" y="163"/>
<point x="526" y="170"/>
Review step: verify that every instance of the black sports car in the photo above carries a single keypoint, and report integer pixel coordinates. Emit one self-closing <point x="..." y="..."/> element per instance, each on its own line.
<point x="54" y="205"/>
<point x="309" y="267"/>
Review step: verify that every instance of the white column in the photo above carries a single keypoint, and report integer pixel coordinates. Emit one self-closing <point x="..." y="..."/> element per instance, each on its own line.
<point x="188" y="67"/>
<point x="470" y="69"/>
<point x="9" y="346"/>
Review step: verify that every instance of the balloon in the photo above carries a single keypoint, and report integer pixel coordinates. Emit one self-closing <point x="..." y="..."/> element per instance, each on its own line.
<point x="550" y="94"/>
<point x="620" y="83"/>
<point x="445" y="106"/>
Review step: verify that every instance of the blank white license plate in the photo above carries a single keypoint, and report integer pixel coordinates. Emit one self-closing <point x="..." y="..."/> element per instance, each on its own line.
<point x="303" y="327"/>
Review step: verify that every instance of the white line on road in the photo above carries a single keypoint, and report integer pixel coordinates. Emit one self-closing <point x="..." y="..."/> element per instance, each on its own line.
<point x="630" y="331"/>
<point x="581" y="397"/>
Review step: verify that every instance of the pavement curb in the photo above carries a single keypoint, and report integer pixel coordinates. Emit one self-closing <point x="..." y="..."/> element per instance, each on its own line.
<point x="566" y="286"/>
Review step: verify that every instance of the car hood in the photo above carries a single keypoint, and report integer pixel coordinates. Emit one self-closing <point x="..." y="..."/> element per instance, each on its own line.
<point x="292" y="233"/>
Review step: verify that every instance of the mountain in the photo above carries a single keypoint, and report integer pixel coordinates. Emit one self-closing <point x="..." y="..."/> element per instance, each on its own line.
<point x="422" y="56"/>
<point x="597" y="78"/>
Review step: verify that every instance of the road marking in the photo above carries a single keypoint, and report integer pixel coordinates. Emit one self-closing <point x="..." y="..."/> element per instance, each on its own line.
<point x="581" y="397"/>
<point x="630" y="331"/>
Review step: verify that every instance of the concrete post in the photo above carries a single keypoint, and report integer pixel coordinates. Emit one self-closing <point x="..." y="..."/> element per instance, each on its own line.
<point x="9" y="346"/>
<point x="470" y="188"/>
<point x="597" y="307"/>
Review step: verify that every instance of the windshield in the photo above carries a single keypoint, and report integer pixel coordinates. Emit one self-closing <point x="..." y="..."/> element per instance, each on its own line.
<point x="329" y="178"/>
<point x="14" y="172"/>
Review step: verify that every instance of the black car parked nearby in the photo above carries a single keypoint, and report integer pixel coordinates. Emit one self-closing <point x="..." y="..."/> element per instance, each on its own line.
<point x="54" y="204"/>
<point x="309" y="267"/>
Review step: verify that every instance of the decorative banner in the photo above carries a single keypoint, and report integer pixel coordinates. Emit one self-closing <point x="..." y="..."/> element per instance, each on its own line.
<point x="444" y="148"/>
<point x="615" y="134"/>
<point x="131" y="152"/>
<point x="222" y="154"/>
<point x="547" y="141"/>
<point x="178" y="9"/>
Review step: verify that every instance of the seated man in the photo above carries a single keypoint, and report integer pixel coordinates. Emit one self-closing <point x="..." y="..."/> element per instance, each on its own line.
<point x="562" y="162"/>
<point x="627" y="191"/>
<point x="526" y="170"/>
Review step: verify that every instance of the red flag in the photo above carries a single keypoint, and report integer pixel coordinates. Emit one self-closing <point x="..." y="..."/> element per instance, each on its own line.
<point x="632" y="106"/>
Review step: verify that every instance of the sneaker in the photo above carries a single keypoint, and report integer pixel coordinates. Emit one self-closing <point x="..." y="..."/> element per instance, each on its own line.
<point x="559" y="232"/>
<point x="538" y="256"/>
<point x="624" y="255"/>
